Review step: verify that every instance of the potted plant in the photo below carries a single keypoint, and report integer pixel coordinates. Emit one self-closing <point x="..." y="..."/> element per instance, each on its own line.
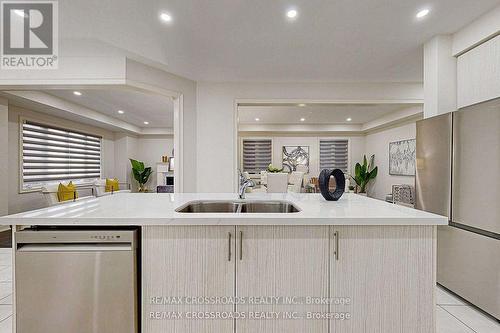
<point x="273" y="169"/>
<point x="364" y="173"/>
<point x="141" y="174"/>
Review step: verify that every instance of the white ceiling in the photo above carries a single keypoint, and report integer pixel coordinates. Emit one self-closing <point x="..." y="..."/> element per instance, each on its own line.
<point x="251" y="40"/>
<point x="317" y="114"/>
<point x="137" y="106"/>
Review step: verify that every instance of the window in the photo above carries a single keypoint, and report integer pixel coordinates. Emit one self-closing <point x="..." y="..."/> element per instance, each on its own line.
<point x="51" y="155"/>
<point x="256" y="155"/>
<point x="334" y="154"/>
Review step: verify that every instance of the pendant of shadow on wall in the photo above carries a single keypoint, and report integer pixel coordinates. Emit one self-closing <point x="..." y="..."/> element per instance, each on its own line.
<point x="332" y="192"/>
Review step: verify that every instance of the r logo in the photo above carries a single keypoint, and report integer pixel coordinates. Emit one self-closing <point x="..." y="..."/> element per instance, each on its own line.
<point x="29" y="29"/>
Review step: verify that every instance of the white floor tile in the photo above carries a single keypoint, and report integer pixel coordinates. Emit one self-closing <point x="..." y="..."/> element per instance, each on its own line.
<point x="445" y="298"/>
<point x="6" y="326"/>
<point x="5" y="311"/>
<point x="6" y="259"/>
<point x="446" y="323"/>
<point x="6" y="300"/>
<point x="474" y="319"/>
<point x="6" y="274"/>
<point x="5" y="289"/>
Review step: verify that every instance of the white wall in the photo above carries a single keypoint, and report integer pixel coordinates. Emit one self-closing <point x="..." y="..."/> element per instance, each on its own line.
<point x="150" y="149"/>
<point x="483" y="28"/>
<point x="216" y="125"/>
<point x="440" y="61"/>
<point x="378" y="143"/>
<point x="19" y="202"/>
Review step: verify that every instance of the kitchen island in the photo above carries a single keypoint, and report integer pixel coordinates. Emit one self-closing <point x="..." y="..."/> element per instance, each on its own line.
<point x="355" y="265"/>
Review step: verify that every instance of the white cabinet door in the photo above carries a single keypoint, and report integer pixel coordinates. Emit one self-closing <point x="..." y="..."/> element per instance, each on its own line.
<point x="282" y="261"/>
<point x="478" y="74"/>
<point x="388" y="272"/>
<point x="191" y="261"/>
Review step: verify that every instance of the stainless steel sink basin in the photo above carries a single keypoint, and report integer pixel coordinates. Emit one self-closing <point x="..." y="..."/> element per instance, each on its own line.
<point x="269" y="207"/>
<point x="209" y="207"/>
<point x="282" y="207"/>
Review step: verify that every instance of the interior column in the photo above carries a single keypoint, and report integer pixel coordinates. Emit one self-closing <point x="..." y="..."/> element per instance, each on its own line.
<point x="440" y="76"/>
<point x="4" y="152"/>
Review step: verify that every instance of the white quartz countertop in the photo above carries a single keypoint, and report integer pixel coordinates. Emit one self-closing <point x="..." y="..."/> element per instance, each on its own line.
<point x="159" y="209"/>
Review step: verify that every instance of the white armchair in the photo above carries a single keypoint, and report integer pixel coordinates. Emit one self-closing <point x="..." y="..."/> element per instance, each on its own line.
<point x="277" y="182"/>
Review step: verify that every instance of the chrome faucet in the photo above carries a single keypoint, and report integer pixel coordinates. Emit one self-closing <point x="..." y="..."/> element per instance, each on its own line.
<point x="244" y="184"/>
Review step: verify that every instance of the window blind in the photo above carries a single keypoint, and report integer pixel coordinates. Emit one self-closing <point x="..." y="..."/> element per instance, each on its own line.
<point x="51" y="154"/>
<point x="334" y="154"/>
<point x="256" y="155"/>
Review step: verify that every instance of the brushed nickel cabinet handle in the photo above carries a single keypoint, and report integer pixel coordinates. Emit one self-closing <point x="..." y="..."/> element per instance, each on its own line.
<point x="229" y="248"/>
<point x="336" y="237"/>
<point x="241" y="245"/>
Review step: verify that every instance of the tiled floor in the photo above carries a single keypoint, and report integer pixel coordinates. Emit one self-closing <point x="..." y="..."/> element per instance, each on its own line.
<point x="453" y="316"/>
<point x="5" y="290"/>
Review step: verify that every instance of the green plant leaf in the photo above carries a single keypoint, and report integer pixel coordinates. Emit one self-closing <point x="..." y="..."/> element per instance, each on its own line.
<point x="137" y="175"/>
<point x="145" y="175"/>
<point x="139" y="166"/>
<point x="363" y="173"/>
<point x="371" y="163"/>
<point x="357" y="173"/>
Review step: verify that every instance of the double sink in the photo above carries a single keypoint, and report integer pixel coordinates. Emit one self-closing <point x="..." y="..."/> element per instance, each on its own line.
<point x="208" y="206"/>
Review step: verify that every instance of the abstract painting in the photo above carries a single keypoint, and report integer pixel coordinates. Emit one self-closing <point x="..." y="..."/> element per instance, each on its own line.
<point x="294" y="156"/>
<point x="402" y="157"/>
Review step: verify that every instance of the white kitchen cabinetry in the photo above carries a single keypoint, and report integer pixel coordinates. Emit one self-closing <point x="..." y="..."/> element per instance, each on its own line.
<point x="388" y="272"/>
<point x="478" y="74"/>
<point x="189" y="261"/>
<point x="283" y="261"/>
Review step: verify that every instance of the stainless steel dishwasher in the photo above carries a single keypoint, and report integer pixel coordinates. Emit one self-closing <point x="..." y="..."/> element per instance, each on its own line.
<point x="78" y="281"/>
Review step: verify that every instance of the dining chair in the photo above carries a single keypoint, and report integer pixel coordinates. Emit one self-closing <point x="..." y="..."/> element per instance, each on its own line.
<point x="295" y="182"/>
<point x="403" y="195"/>
<point x="263" y="177"/>
<point x="277" y="182"/>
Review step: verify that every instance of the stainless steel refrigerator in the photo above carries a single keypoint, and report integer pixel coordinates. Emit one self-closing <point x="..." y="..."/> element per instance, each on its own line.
<point x="458" y="175"/>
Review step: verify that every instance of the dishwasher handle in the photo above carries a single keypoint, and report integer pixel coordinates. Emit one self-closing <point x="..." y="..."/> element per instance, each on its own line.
<point x="74" y="247"/>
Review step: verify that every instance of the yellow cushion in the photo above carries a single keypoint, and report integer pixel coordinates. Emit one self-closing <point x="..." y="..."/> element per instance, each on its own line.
<point x="66" y="192"/>
<point x="112" y="185"/>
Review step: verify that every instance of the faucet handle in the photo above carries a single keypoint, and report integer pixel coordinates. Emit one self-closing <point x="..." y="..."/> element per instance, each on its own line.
<point x="241" y="176"/>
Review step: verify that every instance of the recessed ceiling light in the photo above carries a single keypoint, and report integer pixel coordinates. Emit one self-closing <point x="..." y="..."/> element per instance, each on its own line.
<point x="257" y="119"/>
<point x="302" y="119"/>
<point x="77" y="93"/>
<point x="166" y="17"/>
<point x="146" y="123"/>
<point x="349" y="119"/>
<point x="121" y="111"/>
<point x="292" y="13"/>
<point x="302" y="105"/>
<point x="423" y="13"/>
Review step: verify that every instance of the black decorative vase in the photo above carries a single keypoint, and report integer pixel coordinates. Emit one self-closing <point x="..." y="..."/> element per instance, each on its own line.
<point x="324" y="181"/>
